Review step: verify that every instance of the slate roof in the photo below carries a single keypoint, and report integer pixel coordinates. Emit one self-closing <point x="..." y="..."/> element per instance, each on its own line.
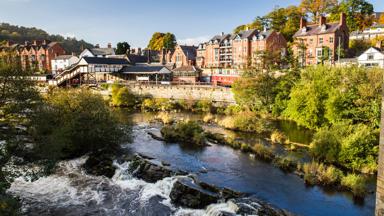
<point x="134" y="59"/>
<point x="63" y="57"/>
<point x="102" y="51"/>
<point x="316" y="30"/>
<point x="108" y="61"/>
<point x="189" y="51"/>
<point x="188" y="68"/>
<point x="146" y="68"/>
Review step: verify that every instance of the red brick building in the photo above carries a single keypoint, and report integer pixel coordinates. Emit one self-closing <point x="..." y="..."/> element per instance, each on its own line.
<point x="182" y="56"/>
<point x="37" y="55"/>
<point x="225" y="56"/>
<point x="312" y="41"/>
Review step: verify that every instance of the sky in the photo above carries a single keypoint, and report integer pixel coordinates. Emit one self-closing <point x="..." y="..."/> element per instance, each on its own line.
<point x="134" y="21"/>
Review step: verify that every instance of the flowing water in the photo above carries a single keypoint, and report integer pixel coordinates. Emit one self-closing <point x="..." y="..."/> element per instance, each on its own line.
<point x="71" y="192"/>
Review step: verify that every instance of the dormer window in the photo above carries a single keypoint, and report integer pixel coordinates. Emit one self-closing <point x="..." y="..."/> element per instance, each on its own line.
<point x="261" y="37"/>
<point x="254" y="38"/>
<point x="304" y="29"/>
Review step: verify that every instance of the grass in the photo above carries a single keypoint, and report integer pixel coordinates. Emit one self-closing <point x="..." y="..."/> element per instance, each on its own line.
<point x="278" y="137"/>
<point x="355" y="183"/>
<point x="188" y="132"/>
<point x="263" y="152"/>
<point x="286" y="163"/>
<point x="165" y="118"/>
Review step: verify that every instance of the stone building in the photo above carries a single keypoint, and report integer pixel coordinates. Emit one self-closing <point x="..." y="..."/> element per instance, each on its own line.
<point x="182" y="56"/>
<point x="313" y="43"/>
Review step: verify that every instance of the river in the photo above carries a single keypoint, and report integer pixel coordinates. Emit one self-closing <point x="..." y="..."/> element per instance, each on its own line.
<point x="71" y="192"/>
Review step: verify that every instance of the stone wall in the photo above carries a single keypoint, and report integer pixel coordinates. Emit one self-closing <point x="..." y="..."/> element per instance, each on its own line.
<point x="216" y="94"/>
<point x="380" y="171"/>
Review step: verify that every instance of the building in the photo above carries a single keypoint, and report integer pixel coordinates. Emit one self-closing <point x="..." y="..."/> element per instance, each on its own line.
<point x="368" y="34"/>
<point x="225" y="56"/>
<point x="144" y="72"/>
<point x="182" y="56"/>
<point x="60" y="63"/>
<point x="36" y="55"/>
<point x="99" y="52"/>
<point x="315" y="42"/>
<point x="186" y="74"/>
<point x="373" y="57"/>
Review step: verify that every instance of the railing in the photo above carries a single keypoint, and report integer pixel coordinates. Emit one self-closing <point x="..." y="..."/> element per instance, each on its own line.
<point x="168" y="83"/>
<point x="64" y="76"/>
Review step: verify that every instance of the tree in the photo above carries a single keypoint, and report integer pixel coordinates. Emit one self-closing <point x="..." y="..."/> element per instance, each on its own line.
<point x="161" y="41"/>
<point x="123" y="48"/>
<point x="317" y="7"/>
<point x="82" y="123"/>
<point x="169" y="41"/>
<point x="359" y="13"/>
<point x="381" y="20"/>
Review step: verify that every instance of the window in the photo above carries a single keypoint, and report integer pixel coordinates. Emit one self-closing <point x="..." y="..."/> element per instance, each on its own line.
<point x="319" y="52"/>
<point x="370" y="56"/>
<point x="331" y="39"/>
<point x="320" y="40"/>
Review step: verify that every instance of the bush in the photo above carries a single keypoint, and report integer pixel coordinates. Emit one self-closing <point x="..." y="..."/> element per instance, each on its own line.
<point x="355" y="183"/>
<point x="278" y="137"/>
<point x="325" y="146"/>
<point x="166" y="118"/>
<point x="318" y="173"/>
<point x="122" y="97"/>
<point x="185" y="132"/>
<point x="247" y="122"/>
<point x="158" y="105"/>
<point x="330" y="175"/>
<point x="285" y="163"/>
<point x="208" y="118"/>
<point x="204" y="106"/>
<point x="71" y="123"/>
<point x="263" y="152"/>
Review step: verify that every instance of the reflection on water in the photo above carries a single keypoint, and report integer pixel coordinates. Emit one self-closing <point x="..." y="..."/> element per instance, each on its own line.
<point x="226" y="167"/>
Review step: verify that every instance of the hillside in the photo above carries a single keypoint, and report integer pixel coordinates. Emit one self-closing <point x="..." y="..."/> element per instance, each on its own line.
<point x="21" y="34"/>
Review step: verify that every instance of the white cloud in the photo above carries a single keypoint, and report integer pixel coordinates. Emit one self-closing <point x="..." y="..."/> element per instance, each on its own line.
<point x="193" y="41"/>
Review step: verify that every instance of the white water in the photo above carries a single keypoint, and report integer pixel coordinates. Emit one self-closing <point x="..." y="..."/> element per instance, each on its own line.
<point x="71" y="192"/>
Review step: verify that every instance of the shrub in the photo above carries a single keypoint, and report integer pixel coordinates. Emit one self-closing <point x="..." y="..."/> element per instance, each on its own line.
<point x="278" y="137"/>
<point x="263" y="152"/>
<point x="285" y="163"/>
<point x="122" y="97"/>
<point x="355" y="183"/>
<point x="329" y="175"/>
<point x="325" y="145"/>
<point x="188" y="132"/>
<point x="208" y="118"/>
<point x="245" y="147"/>
<point x="204" y="106"/>
<point x="310" y="172"/>
<point x="165" y="117"/>
<point x="71" y="123"/>
<point x="247" y="122"/>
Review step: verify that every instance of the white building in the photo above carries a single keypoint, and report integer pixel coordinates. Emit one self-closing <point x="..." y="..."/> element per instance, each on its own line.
<point x="373" y="57"/>
<point x="368" y="33"/>
<point x="99" y="52"/>
<point x="60" y="63"/>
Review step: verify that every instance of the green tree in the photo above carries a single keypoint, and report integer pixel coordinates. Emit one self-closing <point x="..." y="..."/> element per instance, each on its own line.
<point x="71" y="123"/>
<point x="123" y="48"/>
<point x="169" y="41"/>
<point x="161" y="41"/>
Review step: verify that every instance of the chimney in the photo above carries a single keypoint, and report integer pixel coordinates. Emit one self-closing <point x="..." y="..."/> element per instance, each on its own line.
<point x="35" y="42"/>
<point x="265" y="28"/>
<point x="343" y="19"/>
<point x="97" y="46"/>
<point x="26" y="43"/>
<point x="322" y="20"/>
<point x="109" y="45"/>
<point x="247" y="28"/>
<point x="149" y="57"/>
<point x="379" y="44"/>
<point x="303" y="22"/>
<point x="222" y="33"/>
<point x="138" y="51"/>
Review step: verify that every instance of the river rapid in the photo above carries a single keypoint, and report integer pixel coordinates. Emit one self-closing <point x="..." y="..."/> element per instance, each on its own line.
<point x="70" y="191"/>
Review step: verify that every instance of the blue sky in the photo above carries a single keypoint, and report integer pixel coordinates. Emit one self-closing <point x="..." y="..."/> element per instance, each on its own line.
<point x="103" y="21"/>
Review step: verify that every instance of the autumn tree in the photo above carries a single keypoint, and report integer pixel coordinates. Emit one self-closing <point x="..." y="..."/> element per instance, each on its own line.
<point x="381" y="19"/>
<point x="161" y="41"/>
<point x="317" y="7"/>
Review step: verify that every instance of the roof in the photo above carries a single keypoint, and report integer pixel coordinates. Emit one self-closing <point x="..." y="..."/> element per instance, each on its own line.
<point x="145" y="68"/>
<point x="108" y="61"/>
<point x="102" y="51"/>
<point x="188" y="68"/>
<point x="64" y="57"/>
<point x="137" y="58"/>
<point x="316" y="30"/>
<point x="189" y="52"/>
<point x="246" y="34"/>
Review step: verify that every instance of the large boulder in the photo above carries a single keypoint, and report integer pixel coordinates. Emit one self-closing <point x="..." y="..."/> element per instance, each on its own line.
<point x="100" y="163"/>
<point x="191" y="193"/>
<point x="188" y="193"/>
<point x="150" y="170"/>
<point x="253" y="206"/>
